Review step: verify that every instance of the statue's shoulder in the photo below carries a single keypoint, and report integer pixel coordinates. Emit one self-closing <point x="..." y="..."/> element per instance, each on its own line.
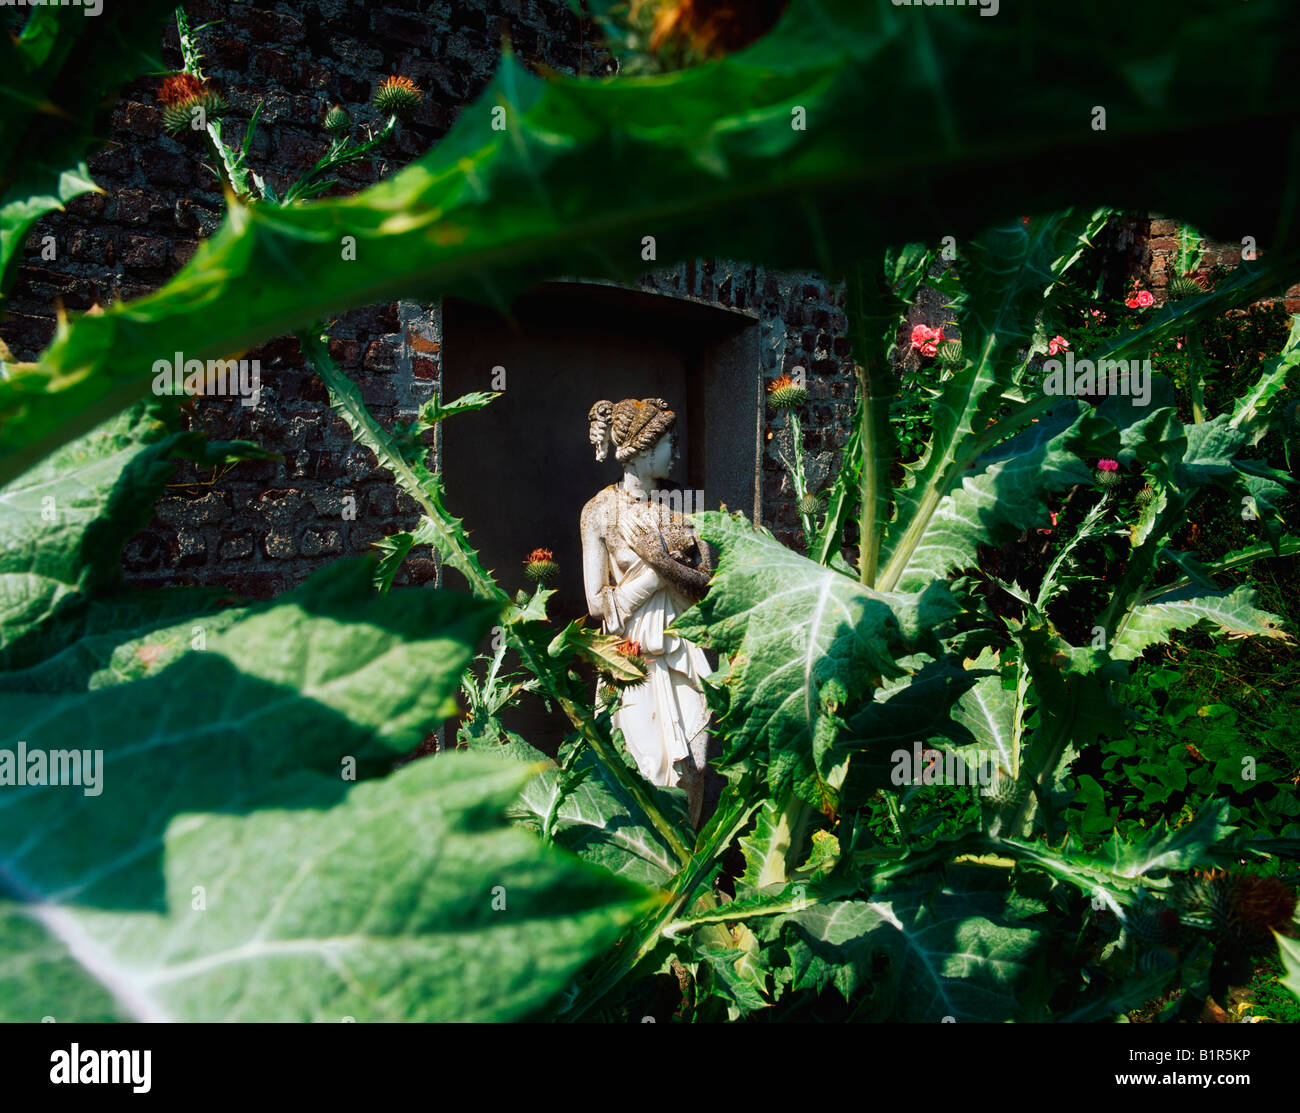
<point x="593" y="513"/>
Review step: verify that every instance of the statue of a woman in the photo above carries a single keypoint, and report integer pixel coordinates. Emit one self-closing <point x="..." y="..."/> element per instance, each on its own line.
<point x="643" y="566"/>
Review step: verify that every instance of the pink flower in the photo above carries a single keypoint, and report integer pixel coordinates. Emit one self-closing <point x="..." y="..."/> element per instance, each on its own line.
<point x="1052" y="512"/>
<point x="1107" y="464"/>
<point x="1057" y="344"/>
<point x="1140" y="299"/>
<point x="926" y="340"/>
<point x="1179" y="345"/>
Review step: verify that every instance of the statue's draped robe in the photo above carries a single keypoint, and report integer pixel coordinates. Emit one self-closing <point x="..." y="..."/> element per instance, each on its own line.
<point x="662" y="720"/>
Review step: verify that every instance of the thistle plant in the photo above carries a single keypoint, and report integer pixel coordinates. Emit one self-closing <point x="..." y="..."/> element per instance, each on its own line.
<point x="819" y="887"/>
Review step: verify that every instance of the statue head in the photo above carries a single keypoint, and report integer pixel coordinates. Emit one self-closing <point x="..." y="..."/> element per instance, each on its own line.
<point x="641" y="431"/>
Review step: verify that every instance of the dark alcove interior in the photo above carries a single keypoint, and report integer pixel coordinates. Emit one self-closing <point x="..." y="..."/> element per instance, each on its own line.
<point x="520" y="471"/>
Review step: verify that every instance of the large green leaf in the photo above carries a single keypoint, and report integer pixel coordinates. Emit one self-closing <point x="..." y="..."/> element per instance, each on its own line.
<point x="804" y="122"/>
<point x="601" y="824"/>
<point x="328" y="678"/>
<point x="806" y="641"/>
<point x="63" y="523"/>
<point x="1255" y="408"/>
<point x="951" y="954"/>
<point x="1002" y="494"/>
<point x="1234" y="613"/>
<point x="1116" y="872"/>
<point x="62" y="528"/>
<point x="407" y="899"/>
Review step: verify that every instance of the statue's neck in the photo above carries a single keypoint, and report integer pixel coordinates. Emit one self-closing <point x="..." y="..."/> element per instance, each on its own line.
<point x="635" y="486"/>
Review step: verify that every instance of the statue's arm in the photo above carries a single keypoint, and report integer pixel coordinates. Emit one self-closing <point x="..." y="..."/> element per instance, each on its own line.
<point x="595" y="564"/>
<point x="648" y="544"/>
<point x="706" y="554"/>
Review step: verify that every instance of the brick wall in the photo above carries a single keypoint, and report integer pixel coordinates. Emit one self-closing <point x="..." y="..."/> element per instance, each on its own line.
<point x="1160" y="261"/>
<point x="263" y="526"/>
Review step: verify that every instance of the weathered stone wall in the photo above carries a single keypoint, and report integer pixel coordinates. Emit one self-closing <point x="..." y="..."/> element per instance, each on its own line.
<point x="263" y="526"/>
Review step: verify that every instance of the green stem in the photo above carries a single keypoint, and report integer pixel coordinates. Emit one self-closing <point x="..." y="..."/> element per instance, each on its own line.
<point x="799" y="478"/>
<point x="1196" y="386"/>
<point x="868" y="519"/>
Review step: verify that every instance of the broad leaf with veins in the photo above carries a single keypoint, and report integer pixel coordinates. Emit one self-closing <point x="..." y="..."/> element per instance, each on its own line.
<point x="806" y="642"/>
<point x="408" y="898"/>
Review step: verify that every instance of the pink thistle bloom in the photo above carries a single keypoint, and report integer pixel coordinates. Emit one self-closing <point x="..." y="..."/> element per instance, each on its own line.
<point x="1107" y="464"/>
<point x="926" y="340"/>
<point x="1057" y="344"/>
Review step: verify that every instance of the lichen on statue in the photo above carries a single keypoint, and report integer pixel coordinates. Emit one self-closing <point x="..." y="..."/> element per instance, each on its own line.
<point x="643" y="566"/>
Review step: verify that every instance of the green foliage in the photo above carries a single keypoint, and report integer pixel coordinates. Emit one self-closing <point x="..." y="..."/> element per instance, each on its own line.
<point x="259" y="859"/>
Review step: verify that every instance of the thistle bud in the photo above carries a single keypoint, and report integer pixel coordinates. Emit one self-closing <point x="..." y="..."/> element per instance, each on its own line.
<point x="337" y="121"/>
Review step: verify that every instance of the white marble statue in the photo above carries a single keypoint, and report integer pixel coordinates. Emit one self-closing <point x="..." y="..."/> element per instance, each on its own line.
<point x="643" y="566"/>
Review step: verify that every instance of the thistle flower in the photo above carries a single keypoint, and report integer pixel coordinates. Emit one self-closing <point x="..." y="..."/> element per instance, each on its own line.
<point x="1241" y="906"/>
<point x="337" y="121"/>
<point x="1107" y="464"/>
<point x="180" y="95"/>
<point x="632" y="651"/>
<point x="1144" y="496"/>
<point x="786" y="394"/>
<point x="809" y="504"/>
<point x="180" y="87"/>
<point x="398" y="96"/>
<point x="540" y="565"/>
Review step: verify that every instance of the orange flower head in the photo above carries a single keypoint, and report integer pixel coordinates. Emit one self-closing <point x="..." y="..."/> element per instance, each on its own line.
<point x="540" y="565"/>
<point x="785" y="393"/>
<point x="181" y="89"/>
<point x="398" y="96"/>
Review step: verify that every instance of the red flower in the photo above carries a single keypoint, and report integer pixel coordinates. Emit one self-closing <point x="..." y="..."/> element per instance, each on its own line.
<point x="926" y="340"/>
<point x="1107" y="464"/>
<point x="1057" y="344"/>
<point x="1140" y="299"/>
